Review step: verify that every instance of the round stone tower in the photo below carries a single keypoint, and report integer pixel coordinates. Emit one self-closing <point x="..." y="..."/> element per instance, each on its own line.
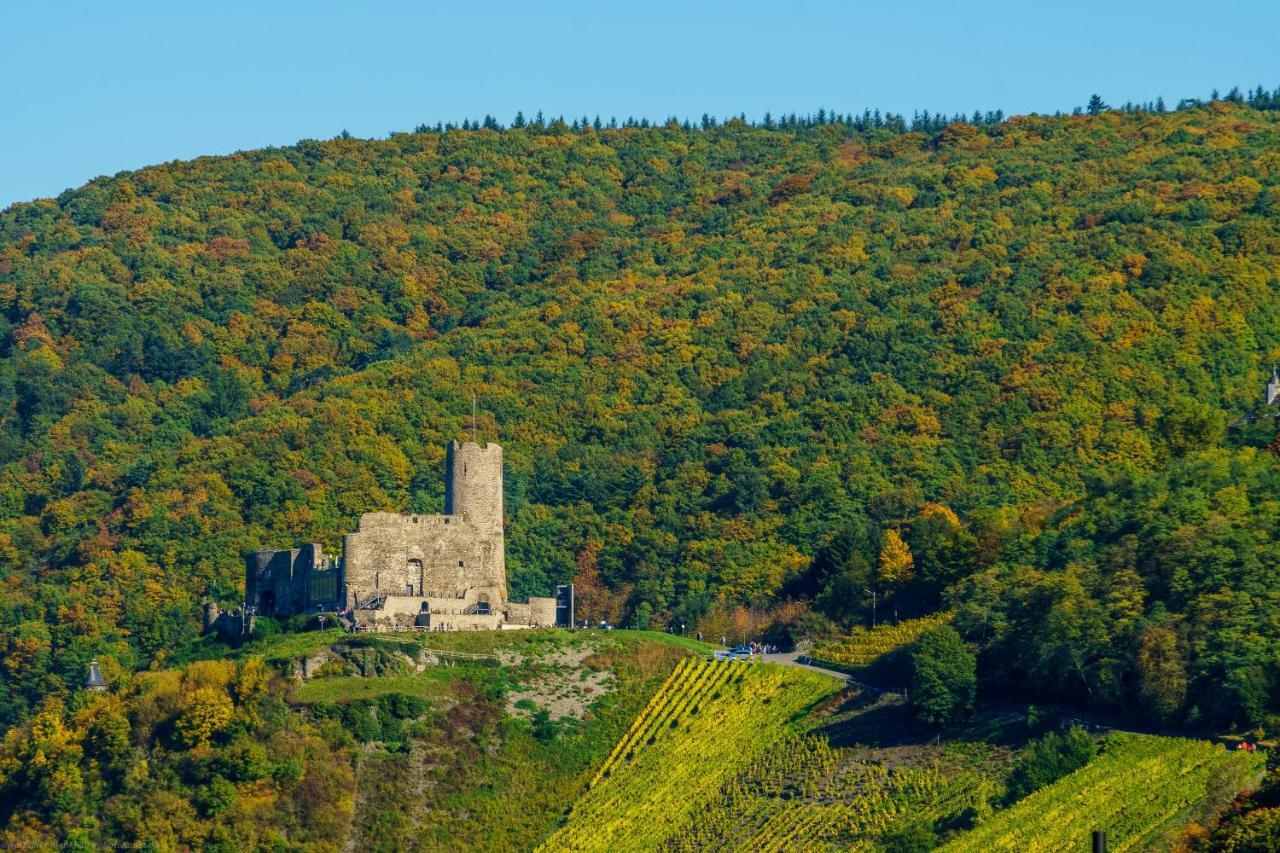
<point x="473" y="483"/>
<point x="473" y="489"/>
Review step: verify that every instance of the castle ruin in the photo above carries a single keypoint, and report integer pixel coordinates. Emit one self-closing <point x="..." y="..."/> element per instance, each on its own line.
<point x="430" y="572"/>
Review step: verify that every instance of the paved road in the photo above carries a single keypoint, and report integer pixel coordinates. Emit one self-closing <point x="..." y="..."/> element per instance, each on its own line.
<point x="793" y="659"/>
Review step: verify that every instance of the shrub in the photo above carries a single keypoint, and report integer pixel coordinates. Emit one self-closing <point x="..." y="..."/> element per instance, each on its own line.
<point x="358" y="719"/>
<point x="1048" y="759"/>
<point x="216" y="797"/>
<point x="914" y="836"/>
<point x="242" y="760"/>
<point x="544" y="728"/>
<point x="263" y="627"/>
<point x="402" y="706"/>
<point x="1257" y="831"/>
<point x="208" y="711"/>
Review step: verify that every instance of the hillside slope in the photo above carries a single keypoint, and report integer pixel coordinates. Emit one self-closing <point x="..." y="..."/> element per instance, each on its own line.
<point x="723" y="363"/>
<point x="1143" y="791"/>
<point x="708" y="721"/>
<point x="383" y="748"/>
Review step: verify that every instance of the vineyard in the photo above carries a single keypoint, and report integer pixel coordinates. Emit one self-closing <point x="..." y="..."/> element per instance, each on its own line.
<point x="802" y="795"/>
<point x="1139" y="790"/>
<point x="865" y="648"/>
<point x="707" y="723"/>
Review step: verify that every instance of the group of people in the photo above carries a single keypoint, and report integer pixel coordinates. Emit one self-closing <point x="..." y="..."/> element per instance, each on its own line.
<point x="748" y="651"/>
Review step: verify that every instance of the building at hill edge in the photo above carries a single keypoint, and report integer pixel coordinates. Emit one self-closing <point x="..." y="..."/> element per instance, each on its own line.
<point x="431" y="572"/>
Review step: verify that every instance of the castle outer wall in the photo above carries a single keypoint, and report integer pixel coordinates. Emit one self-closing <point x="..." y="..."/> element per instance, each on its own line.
<point x="282" y="583"/>
<point x="428" y="572"/>
<point x="427" y="556"/>
<point x="458" y="556"/>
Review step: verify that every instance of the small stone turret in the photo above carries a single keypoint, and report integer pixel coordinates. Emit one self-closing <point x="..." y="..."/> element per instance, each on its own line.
<point x="211" y="614"/>
<point x="1273" y="388"/>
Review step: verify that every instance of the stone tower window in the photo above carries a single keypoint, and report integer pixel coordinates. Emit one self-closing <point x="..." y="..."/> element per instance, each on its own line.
<point x="459" y="564"/>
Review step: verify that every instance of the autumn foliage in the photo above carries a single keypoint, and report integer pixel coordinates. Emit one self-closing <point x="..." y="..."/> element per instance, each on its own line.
<point x="1009" y="368"/>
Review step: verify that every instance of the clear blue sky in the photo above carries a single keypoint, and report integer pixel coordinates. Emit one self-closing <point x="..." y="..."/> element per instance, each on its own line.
<point x="97" y="87"/>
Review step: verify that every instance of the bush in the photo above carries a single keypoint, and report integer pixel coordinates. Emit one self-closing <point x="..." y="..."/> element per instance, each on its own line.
<point x="1048" y="759"/>
<point x="401" y="706"/>
<point x="263" y="627"/>
<point x="944" y="680"/>
<point x="242" y="760"/>
<point x="544" y="728"/>
<point x="289" y="770"/>
<point x="1257" y="831"/>
<point x="913" y="836"/>
<point x="358" y="719"/>
<point x="215" y="798"/>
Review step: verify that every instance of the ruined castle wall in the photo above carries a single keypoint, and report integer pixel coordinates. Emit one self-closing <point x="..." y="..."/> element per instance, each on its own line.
<point x="467" y="622"/>
<point x="542" y="612"/>
<point x="280" y="583"/>
<point x="427" y="556"/>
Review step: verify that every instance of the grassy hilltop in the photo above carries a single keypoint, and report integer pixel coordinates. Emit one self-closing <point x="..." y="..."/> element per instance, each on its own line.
<point x="1010" y="370"/>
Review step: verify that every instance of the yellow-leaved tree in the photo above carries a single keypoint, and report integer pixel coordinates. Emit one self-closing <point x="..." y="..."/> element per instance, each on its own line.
<point x="208" y="711"/>
<point x="896" y="566"/>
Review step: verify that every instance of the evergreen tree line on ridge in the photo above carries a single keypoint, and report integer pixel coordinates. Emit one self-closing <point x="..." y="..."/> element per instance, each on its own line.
<point x="1257" y="98"/>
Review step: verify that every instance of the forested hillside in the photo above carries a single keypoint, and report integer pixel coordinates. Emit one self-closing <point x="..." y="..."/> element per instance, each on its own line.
<point x="1013" y="369"/>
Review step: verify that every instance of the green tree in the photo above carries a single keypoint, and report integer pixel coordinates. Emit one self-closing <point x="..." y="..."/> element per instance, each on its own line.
<point x="943" y="677"/>
<point x="1162" y="672"/>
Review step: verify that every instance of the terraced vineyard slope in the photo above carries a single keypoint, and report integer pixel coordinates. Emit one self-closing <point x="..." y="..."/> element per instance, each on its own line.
<point x="703" y="727"/>
<point x="1142" y="790"/>
<point x="805" y="795"/>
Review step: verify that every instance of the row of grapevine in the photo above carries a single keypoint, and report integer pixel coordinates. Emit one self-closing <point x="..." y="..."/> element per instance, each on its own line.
<point x="802" y="795"/>
<point x="867" y="646"/>
<point x="708" y="721"/>
<point x="1140" y="789"/>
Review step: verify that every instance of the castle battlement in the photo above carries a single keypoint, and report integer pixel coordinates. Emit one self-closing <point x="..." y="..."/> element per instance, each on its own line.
<point x="384" y="520"/>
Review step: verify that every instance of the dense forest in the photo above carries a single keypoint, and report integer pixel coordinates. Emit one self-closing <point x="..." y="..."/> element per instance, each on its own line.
<point x="1012" y="368"/>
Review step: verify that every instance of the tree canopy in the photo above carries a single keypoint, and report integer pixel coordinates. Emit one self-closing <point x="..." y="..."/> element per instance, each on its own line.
<point x="1021" y="360"/>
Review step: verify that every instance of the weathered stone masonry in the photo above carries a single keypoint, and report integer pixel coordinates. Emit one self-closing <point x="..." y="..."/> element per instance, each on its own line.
<point x="445" y="572"/>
